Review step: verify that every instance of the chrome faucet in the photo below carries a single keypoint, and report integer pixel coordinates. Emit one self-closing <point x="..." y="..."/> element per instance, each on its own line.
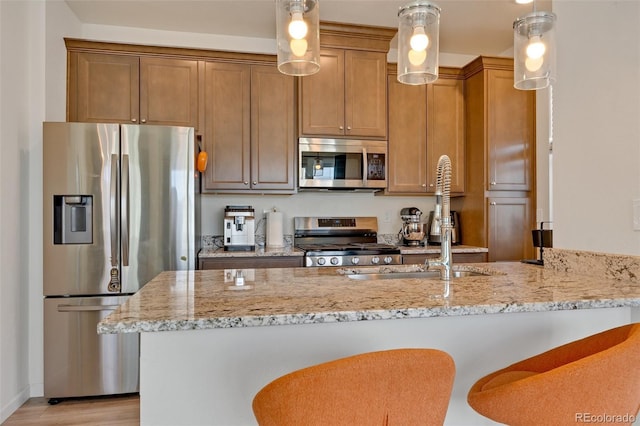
<point x="443" y="192"/>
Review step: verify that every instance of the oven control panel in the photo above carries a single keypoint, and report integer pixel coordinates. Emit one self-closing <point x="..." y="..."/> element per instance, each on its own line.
<point x="354" y="260"/>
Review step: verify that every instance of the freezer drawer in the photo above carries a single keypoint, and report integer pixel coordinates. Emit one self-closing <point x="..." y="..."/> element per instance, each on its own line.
<point x="77" y="360"/>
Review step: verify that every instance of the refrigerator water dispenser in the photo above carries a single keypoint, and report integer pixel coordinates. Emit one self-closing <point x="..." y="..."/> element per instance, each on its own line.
<point x="72" y="219"/>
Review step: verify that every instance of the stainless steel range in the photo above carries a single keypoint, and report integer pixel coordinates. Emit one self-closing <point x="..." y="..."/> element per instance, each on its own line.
<point x="342" y="241"/>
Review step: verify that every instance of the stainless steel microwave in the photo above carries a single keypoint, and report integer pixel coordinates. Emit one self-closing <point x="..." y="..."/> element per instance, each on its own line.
<point x="342" y="164"/>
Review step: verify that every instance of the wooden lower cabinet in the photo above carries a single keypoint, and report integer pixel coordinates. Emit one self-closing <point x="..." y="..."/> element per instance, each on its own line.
<point x="509" y="236"/>
<point x="251" y="262"/>
<point x="413" y="259"/>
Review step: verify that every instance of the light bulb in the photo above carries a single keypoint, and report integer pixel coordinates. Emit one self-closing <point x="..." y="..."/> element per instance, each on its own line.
<point x="419" y="40"/>
<point x="417" y="57"/>
<point x="297" y="27"/>
<point x="298" y="47"/>
<point x="535" y="48"/>
<point x="533" y="64"/>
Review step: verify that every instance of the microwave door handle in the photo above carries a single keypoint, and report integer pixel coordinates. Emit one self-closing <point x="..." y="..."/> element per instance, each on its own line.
<point x="364" y="166"/>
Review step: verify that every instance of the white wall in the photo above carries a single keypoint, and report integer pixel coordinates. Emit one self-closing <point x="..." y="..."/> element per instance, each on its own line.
<point x="30" y="47"/>
<point x="596" y="125"/>
<point x="21" y="107"/>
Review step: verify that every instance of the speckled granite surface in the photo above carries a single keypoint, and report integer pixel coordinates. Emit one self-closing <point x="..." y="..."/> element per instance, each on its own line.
<point x="189" y="300"/>
<point x="209" y="252"/>
<point x="436" y="249"/>
<point x="603" y="265"/>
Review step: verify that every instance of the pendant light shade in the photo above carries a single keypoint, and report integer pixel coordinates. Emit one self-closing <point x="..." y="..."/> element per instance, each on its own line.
<point x="298" y="36"/>
<point x="418" y="33"/>
<point x="534" y="50"/>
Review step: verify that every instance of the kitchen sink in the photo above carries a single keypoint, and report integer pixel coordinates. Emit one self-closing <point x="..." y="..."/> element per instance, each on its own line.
<point x="417" y="274"/>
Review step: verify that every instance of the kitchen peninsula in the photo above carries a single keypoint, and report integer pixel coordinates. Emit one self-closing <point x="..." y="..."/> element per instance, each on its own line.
<point x="208" y="345"/>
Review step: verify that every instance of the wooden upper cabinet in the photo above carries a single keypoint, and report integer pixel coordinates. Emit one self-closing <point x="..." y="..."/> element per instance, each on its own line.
<point x="169" y="92"/>
<point x="445" y="131"/>
<point x="347" y="97"/>
<point x="227" y="125"/>
<point x="112" y="88"/>
<point x="322" y="97"/>
<point x="365" y="94"/>
<point x="273" y="142"/>
<point x="510" y="127"/>
<point x="102" y="88"/>
<point x="249" y="128"/>
<point x="407" y="137"/>
<point x="425" y="122"/>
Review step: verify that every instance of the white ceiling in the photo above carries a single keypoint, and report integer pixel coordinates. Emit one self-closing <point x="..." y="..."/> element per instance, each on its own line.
<point x="478" y="27"/>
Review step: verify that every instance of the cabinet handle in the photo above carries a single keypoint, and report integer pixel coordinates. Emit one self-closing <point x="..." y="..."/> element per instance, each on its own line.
<point x="493" y="203"/>
<point x="431" y="185"/>
<point x="254" y="182"/>
<point x="424" y="185"/>
<point x="144" y="120"/>
<point x="348" y="127"/>
<point x="492" y="183"/>
<point x="133" y="120"/>
<point x="245" y="182"/>
<point x="341" y="127"/>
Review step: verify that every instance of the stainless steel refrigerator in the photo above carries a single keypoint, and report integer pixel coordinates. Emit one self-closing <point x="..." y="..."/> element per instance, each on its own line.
<point x="120" y="205"/>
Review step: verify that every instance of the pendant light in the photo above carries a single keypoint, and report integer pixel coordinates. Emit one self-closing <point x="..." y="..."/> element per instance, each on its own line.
<point x="418" y="32"/>
<point x="534" y="50"/>
<point x="298" y="36"/>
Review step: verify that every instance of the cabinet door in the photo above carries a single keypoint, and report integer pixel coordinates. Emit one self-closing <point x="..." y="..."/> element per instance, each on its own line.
<point x="272" y="129"/>
<point x="509" y="229"/>
<point x="103" y="88"/>
<point x="365" y="94"/>
<point x="445" y="127"/>
<point x="227" y="126"/>
<point x="510" y="133"/>
<point x="322" y="97"/>
<point x="169" y="92"/>
<point x="407" y="137"/>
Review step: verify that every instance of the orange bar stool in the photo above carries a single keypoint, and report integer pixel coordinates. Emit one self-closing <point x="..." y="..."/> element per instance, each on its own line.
<point x="591" y="380"/>
<point x="393" y="387"/>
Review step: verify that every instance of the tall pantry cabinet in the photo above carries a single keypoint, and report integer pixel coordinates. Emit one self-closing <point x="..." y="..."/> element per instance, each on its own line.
<point x="500" y="162"/>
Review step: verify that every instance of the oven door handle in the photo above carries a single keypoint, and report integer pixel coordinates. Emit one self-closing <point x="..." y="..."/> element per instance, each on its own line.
<point x="365" y="166"/>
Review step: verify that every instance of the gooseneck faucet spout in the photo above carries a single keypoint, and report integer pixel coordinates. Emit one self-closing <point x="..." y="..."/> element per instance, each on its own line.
<point x="443" y="191"/>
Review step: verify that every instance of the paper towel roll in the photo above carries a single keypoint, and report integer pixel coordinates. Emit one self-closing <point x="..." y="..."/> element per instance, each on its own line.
<point x="275" y="237"/>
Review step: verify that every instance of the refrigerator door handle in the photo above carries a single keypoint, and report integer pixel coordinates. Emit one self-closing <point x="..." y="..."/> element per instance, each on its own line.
<point x="124" y="210"/>
<point x="114" y="211"/>
<point x="86" y="308"/>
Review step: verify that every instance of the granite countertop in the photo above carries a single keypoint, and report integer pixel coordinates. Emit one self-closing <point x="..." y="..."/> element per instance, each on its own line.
<point x="436" y="249"/>
<point x="190" y="300"/>
<point x="209" y="252"/>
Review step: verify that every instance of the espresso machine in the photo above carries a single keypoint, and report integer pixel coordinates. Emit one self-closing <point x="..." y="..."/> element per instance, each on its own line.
<point x="413" y="231"/>
<point x="434" y="235"/>
<point x="239" y="228"/>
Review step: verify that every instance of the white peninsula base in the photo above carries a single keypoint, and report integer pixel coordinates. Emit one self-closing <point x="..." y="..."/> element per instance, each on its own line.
<point x="209" y="377"/>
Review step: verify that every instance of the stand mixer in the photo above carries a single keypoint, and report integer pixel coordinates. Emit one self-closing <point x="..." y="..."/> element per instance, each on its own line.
<point x="412" y="232"/>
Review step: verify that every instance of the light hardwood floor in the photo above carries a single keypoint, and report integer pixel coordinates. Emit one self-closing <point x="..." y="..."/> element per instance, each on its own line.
<point x="117" y="410"/>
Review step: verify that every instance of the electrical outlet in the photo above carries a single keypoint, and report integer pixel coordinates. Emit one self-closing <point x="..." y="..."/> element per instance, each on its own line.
<point x="387" y="217"/>
<point x="636" y="214"/>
